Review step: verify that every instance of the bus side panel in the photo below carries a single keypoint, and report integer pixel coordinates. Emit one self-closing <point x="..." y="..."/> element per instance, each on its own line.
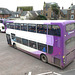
<point x="29" y="50"/>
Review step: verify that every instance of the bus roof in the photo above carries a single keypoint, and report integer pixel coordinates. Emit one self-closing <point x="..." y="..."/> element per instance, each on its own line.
<point x="64" y="22"/>
<point x="44" y="21"/>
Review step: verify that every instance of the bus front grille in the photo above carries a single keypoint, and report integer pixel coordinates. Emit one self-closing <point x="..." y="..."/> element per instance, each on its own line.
<point x="57" y="61"/>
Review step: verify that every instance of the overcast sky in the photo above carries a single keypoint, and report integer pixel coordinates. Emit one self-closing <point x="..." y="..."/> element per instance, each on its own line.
<point x="37" y="4"/>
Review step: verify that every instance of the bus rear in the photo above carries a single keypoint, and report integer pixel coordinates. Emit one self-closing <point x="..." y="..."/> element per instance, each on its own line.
<point x="69" y="42"/>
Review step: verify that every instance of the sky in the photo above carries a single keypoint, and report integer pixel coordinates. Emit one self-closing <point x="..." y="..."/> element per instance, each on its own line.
<point x="37" y="4"/>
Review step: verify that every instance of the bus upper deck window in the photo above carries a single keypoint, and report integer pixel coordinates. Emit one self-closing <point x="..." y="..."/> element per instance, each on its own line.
<point x="32" y="27"/>
<point x="42" y="29"/>
<point x="12" y="25"/>
<point x="24" y="27"/>
<point x="54" y="30"/>
<point x="17" y="26"/>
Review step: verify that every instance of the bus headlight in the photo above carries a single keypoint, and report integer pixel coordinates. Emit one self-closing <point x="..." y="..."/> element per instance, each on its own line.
<point x="63" y="59"/>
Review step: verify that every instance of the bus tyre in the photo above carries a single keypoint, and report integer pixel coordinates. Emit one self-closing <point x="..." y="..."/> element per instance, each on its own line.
<point x="44" y="58"/>
<point x="14" y="45"/>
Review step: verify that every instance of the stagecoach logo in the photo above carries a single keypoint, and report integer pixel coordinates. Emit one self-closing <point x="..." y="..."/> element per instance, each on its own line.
<point x="70" y="32"/>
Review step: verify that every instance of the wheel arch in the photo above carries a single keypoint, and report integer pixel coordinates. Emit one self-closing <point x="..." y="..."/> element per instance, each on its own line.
<point x="42" y="54"/>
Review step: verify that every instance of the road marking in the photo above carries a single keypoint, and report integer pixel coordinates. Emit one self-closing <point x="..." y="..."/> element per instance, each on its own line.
<point x="44" y="73"/>
<point x="53" y="73"/>
<point x="29" y="73"/>
<point x="56" y="73"/>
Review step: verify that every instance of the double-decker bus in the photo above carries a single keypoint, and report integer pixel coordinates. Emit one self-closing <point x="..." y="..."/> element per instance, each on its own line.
<point x="50" y="41"/>
<point x="3" y="25"/>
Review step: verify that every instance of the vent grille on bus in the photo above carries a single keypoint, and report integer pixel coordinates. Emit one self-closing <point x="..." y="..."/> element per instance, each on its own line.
<point x="57" y="61"/>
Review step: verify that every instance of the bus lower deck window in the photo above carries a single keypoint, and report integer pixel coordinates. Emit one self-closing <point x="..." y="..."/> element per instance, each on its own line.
<point x="32" y="44"/>
<point x="25" y="42"/>
<point x="42" y="47"/>
<point x="50" y="49"/>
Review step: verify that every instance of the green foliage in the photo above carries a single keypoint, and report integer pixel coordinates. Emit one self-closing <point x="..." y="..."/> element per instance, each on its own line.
<point x="39" y="17"/>
<point x="55" y="9"/>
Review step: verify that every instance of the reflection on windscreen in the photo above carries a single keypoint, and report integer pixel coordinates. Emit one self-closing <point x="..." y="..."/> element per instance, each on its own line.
<point x="70" y="27"/>
<point x="70" y="43"/>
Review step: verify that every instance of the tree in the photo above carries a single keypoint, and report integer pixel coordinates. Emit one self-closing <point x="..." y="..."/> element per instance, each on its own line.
<point x="55" y="10"/>
<point x="39" y="17"/>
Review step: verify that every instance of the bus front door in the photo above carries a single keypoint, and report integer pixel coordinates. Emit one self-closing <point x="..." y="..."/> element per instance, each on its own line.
<point x="8" y="39"/>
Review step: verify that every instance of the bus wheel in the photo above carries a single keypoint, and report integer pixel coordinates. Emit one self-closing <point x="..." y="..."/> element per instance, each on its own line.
<point x="44" y="58"/>
<point x="14" y="45"/>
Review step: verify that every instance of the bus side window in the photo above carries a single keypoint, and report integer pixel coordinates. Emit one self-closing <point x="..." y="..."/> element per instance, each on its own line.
<point x="54" y="30"/>
<point x="32" y="27"/>
<point x="24" y="27"/>
<point x="57" y="30"/>
<point x="25" y="42"/>
<point x="18" y="40"/>
<point x="13" y="36"/>
<point x="32" y="44"/>
<point x="50" y="32"/>
<point x="42" y="29"/>
<point x="17" y="26"/>
<point x="42" y="47"/>
<point x="50" y="49"/>
<point x="12" y="25"/>
<point x="7" y="25"/>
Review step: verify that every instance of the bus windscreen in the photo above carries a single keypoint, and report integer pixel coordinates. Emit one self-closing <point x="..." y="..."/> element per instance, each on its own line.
<point x="70" y="27"/>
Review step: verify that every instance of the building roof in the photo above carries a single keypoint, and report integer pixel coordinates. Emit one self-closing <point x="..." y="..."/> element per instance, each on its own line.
<point x="13" y="14"/>
<point x="64" y="11"/>
<point x="47" y="5"/>
<point x="72" y="7"/>
<point x="4" y="11"/>
<point x="39" y="12"/>
<point x="33" y="13"/>
<point x="24" y="13"/>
